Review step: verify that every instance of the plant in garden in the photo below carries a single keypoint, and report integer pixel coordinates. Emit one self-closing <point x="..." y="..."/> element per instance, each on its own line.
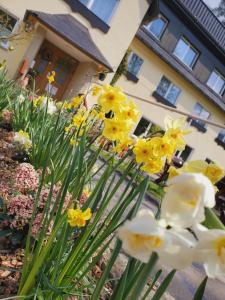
<point x="68" y="228"/>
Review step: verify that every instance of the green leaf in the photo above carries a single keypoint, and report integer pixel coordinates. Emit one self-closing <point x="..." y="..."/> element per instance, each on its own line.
<point x="212" y="221"/>
<point x="142" y="278"/>
<point x="105" y="274"/>
<point x="164" y="285"/>
<point x="157" y="275"/>
<point x="201" y="289"/>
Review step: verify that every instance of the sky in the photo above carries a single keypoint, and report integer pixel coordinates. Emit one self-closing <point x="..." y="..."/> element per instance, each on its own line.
<point x="212" y="3"/>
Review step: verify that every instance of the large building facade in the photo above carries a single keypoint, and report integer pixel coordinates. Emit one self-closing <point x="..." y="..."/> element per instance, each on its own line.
<point x="177" y="57"/>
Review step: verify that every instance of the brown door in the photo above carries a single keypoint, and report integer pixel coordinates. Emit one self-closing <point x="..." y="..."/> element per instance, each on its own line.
<point x="48" y="59"/>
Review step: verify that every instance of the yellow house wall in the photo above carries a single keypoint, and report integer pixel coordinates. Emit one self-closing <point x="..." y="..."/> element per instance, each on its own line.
<point x="150" y="75"/>
<point x="113" y="44"/>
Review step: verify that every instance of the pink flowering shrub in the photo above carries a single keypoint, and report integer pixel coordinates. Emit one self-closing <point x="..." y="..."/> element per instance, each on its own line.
<point x="18" y="188"/>
<point x="25" y="178"/>
<point x="21" y="208"/>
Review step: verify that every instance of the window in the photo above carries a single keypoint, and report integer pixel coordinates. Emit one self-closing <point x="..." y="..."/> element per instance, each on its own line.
<point x="168" y="90"/>
<point x="201" y="112"/>
<point x="134" y="63"/>
<point x="185" y="52"/>
<point x="143" y="127"/>
<point x="185" y="154"/>
<point x="146" y="127"/>
<point x="101" y="8"/>
<point x="157" y="26"/>
<point x="7" y="26"/>
<point x="216" y="82"/>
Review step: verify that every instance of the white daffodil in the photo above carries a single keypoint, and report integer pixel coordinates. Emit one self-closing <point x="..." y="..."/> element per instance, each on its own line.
<point x="51" y="106"/>
<point x="185" y="199"/>
<point x="21" y="98"/>
<point x="23" y="139"/>
<point x="210" y="250"/>
<point x="143" y="235"/>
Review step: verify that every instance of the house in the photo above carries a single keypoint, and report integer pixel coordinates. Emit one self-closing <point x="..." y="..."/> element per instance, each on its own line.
<point x="178" y="59"/>
<point x="75" y="38"/>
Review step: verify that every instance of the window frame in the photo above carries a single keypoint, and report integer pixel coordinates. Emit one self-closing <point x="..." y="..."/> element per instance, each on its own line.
<point x="91" y="3"/>
<point x="147" y="128"/>
<point x="219" y="75"/>
<point x="162" y="17"/>
<point x="5" y="44"/>
<point x="190" y="46"/>
<point x="171" y="85"/>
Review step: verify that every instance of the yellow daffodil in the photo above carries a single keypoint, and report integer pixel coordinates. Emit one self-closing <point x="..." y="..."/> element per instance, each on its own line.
<point x="214" y="172"/>
<point x="80" y="118"/>
<point x="51" y="78"/>
<point x="115" y="129"/>
<point x="161" y="147"/>
<point x="38" y="101"/>
<point x="73" y="142"/>
<point x="173" y="172"/>
<point x="174" y="132"/>
<point x="96" y="90"/>
<point x="77" y="101"/>
<point x="142" y="151"/>
<point x="123" y="144"/>
<point x="153" y="166"/>
<point x="68" y="128"/>
<point x="77" y="217"/>
<point x="129" y="111"/>
<point x="101" y="115"/>
<point x="111" y="98"/>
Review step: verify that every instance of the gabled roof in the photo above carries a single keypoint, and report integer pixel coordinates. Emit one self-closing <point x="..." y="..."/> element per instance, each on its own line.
<point x="73" y="32"/>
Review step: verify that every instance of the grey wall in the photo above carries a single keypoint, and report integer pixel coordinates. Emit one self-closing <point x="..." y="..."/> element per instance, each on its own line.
<point x="176" y="28"/>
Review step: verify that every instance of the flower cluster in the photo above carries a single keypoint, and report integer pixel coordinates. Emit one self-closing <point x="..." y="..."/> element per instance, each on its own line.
<point x="23" y="139"/>
<point x="76" y="101"/>
<point x="77" y="217"/>
<point x="153" y="152"/>
<point x="122" y="113"/>
<point x="25" y="178"/>
<point x="178" y="237"/>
